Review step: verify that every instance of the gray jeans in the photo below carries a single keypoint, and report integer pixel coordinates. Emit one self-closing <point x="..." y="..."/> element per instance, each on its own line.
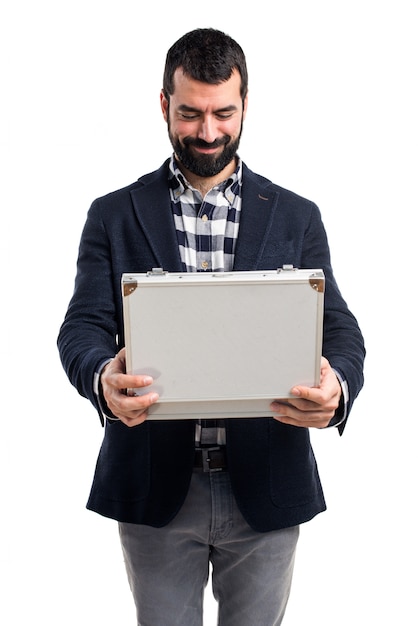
<point x="168" y="567"/>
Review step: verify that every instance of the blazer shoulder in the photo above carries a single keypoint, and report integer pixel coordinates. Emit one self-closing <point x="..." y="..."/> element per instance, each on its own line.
<point x="124" y="193"/>
<point x="287" y="196"/>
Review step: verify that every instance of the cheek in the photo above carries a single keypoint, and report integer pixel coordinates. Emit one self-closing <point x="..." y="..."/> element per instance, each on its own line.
<point x="183" y="129"/>
<point x="232" y="129"/>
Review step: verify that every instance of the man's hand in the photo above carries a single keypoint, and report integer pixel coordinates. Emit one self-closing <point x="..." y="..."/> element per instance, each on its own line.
<point x="131" y="410"/>
<point x="311" y="406"/>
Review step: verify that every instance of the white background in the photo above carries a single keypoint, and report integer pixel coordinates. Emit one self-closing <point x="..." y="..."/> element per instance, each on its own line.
<point x="332" y="116"/>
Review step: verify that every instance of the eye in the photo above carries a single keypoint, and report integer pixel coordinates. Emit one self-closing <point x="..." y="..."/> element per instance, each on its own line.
<point x="224" y="116"/>
<point x="189" y="115"/>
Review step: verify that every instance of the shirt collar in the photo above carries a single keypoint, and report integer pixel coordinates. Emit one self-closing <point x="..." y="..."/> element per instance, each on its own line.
<point x="230" y="187"/>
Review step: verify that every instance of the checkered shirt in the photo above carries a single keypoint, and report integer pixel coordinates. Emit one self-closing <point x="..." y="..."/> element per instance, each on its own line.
<point x="207" y="228"/>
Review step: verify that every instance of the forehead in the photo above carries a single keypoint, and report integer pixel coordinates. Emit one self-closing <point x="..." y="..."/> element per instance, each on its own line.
<point x="201" y="95"/>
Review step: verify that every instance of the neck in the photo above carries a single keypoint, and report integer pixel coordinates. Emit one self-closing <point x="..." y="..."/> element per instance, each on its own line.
<point x="206" y="184"/>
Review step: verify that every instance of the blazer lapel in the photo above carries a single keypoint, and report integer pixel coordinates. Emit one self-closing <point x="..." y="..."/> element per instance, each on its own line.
<point x="151" y="202"/>
<point x="153" y="210"/>
<point x="259" y="205"/>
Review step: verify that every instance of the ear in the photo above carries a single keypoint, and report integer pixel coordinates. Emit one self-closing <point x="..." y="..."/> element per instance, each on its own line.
<point x="164" y="105"/>
<point x="244" y="110"/>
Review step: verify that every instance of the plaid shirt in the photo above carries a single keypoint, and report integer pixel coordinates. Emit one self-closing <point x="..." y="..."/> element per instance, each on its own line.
<point x="207" y="231"/>
<point x="207" y="228"/>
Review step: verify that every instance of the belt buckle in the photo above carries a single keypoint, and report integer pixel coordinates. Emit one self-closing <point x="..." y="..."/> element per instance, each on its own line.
<point x="206" y="460"/>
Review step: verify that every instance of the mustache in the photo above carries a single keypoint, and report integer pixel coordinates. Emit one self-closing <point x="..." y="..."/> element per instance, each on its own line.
<point x="200" y="143"/>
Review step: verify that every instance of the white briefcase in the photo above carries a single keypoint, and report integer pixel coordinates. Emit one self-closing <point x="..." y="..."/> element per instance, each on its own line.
<point x="223" y="344"/>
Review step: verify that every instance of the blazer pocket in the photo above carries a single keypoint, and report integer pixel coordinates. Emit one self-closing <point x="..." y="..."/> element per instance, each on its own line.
<point x="123" y="466"/>
<point x="294" y="478"/>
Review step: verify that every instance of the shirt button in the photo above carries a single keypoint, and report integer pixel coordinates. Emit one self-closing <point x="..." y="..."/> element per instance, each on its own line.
<point x="204" y="265"/>
<point x="204" y="218"/>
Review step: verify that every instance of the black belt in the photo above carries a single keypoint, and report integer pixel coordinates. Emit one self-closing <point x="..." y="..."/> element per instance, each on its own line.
<point x="210" y="459"/>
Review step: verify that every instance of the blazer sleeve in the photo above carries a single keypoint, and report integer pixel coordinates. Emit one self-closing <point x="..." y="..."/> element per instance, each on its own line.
<point x="88" y="336"/>
<point x="343" y="343"/>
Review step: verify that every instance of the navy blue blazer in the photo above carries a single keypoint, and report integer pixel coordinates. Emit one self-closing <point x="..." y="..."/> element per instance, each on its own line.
<point x="143" y="473"/>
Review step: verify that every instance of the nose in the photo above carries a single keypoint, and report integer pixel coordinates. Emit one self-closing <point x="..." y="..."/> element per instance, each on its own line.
<point x="207" y="129"/>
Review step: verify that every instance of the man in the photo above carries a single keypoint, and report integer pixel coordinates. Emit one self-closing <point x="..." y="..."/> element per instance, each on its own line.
<point x="204" y="210"/>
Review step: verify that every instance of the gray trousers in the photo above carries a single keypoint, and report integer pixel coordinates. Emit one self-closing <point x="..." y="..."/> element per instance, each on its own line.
<point x="168" y="567"/>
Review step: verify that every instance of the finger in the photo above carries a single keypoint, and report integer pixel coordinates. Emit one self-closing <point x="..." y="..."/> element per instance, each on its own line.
<point x="118" y="380"/>
<point x="131" y="406"/>
<point x="131" y="381"/>
<point x="304" y="422"/>
<point x="301" y="408"/>
<point x="312" y="394"/>
<point x="136" y="415"/>
<point x="134" y="421"/>
<point x="299" y="404"/>
<point x="305" y="397"/>
<point x="308" y="414"/>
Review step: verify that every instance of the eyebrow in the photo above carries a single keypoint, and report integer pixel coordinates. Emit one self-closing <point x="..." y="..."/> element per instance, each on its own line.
<point x="187" y="109"/>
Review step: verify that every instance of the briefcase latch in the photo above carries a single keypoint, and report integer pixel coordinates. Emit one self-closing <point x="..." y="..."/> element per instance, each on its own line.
<point x="156" y="271"/>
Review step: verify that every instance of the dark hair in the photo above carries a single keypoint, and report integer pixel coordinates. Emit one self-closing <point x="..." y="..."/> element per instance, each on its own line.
<point x="207" y="55"/>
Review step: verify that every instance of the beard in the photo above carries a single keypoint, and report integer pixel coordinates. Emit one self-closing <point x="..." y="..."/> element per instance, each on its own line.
<point x="205" y="165"/>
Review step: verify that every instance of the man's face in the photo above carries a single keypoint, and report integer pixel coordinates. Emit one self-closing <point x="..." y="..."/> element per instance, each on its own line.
<point x="204" y="122"/>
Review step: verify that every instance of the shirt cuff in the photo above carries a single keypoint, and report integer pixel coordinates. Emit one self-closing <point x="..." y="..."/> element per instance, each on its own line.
<point x="97" y="388"/>
<point x="342" y="411"/>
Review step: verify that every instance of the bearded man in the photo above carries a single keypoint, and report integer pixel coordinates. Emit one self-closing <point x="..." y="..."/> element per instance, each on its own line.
<point x="189" y="493"/>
